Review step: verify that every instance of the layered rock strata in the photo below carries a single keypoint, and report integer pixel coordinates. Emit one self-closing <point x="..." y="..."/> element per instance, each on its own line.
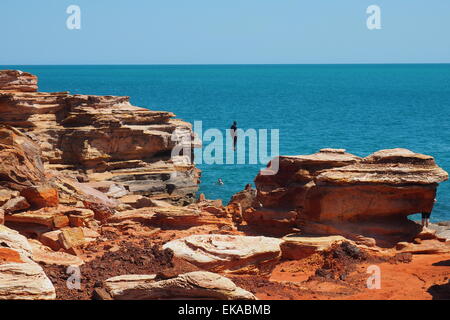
<point x="226" y="253"/>
<point x="192" y="285"/>
<point x="297" y="247"/>
<point x="21" y="277"/>
<point x="98" y="138"/>
<point x="334" y="192"/>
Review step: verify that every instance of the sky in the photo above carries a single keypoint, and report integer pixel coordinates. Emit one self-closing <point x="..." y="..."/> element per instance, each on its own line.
<point x="224" y="32"/>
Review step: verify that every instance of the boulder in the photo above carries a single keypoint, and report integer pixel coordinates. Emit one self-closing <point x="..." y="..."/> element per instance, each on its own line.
<point x="276" y="222"/>
<point x="61" y="222"/>
<point x="41" y="196"/>
<point x="444" y="234"/>
<point x="45" y="255"/>
<point x="424" y="247"/>
<point x="117" y="191"/>
<point x="68" y="238"/>
<point x="245" y="198"/>
<point x="44" y="217"/>
<point x="71" y="237"/>
<point x="6" y="194"/>
<point x="183" y="218"/>
<point x="15" y="204"/>
<point x="22" y="170"/>
<point x="192" y="285"/>
<point x="21" y="160"/>
<point x="80" y="217"/>
<point x="137" y="201"/>
<point x="297" y="246"/>
<point x="110" y="188"/>
<point x="101" y="211"/>
<point x="22" y="279"/>
<point x="51" y="239"/>
<point x="75" y="237"/>
<point x="14" y="240"/>
<point x="226" y="253"/>
<point x="53" y="217"/>
<point x="84" y="192"/>
<point x="143" y="216"/>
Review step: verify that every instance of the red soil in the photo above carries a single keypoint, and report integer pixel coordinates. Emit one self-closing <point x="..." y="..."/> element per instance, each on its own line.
<point x="340" y="273"/>
<point x="425" y="277"/>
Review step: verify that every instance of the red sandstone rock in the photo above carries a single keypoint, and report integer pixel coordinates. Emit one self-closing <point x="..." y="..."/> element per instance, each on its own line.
<point x="101" y="211"/>
<point x="246" y="198"/>
<point x="296" y="247"/>
<point x="20" y="158"/>
<point x="424" y="247"/>
<point x="44" y="254"/>
<point x="76" y="221"/>
<point x="232" y="254"/>
<point x="61" y="222"/>
<point x="170" y="217"/>
<point x="72" y="238"/>
<point x="185" y="218"/>
<point x="20" y="277"/>
<point x="41" y="196"/>
<point x="192" y="285"/>
<point x="51" y="239"/>
<point x="105" y="135"/>
<point x="15" y="80"/>
<point x="15" y="204"/>
<point x="6" y="194"/>
<point x="51" y="217"/>
<point x="136" y="201"/>
<point x="333" y="192"/>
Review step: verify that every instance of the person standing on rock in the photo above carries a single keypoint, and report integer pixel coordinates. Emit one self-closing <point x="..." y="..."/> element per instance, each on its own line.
<point x="426" y="217"/>
<point x="233" y="133"/>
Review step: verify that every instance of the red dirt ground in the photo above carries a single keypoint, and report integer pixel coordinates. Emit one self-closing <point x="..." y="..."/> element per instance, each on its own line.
<point x="338" y="274"/>
<point x="425" y="277"/>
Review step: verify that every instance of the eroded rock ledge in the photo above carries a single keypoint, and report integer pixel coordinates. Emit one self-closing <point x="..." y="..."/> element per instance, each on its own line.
<point x="334" y="192"/>
<point x="98" y="138"/>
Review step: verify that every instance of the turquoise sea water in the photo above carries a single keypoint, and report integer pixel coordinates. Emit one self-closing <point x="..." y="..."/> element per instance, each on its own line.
<point x="362" y="108"/>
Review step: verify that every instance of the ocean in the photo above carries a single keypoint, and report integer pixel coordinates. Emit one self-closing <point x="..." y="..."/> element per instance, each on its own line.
<point x="361" y="108"/>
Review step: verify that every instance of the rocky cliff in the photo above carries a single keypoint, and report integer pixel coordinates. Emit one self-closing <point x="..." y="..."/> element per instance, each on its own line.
<point x="334" y="192"/>
<point x="100" y="138"/>
<point x="17" y="81"/>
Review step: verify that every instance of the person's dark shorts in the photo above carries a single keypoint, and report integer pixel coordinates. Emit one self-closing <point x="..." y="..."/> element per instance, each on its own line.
<point x="426" y="215"/>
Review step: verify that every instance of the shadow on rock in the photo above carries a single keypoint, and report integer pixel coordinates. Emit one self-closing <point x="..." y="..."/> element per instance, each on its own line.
<point x="443" y="263"/>
<point x="440" y="292"/>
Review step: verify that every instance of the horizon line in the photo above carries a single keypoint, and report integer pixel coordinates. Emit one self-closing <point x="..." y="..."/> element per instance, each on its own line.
<point x="230" y="64"/>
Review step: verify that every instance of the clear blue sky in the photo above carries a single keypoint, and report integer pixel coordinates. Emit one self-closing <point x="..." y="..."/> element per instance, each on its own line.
<point x="224" y="31"/>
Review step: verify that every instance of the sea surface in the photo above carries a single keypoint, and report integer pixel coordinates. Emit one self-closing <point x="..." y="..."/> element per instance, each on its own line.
<point x="361" y="108"/>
